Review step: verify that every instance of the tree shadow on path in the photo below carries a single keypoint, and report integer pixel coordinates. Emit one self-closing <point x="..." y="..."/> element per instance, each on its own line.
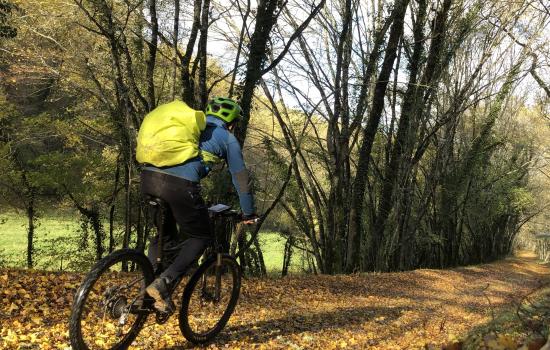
<point x="425" y="301"/>
<point x="295" y="323"/>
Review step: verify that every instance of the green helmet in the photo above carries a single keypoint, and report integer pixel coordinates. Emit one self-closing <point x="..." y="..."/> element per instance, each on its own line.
<point x="224" y="108"/>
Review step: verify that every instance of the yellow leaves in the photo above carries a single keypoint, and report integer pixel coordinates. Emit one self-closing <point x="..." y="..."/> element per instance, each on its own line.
<point x="44" y="308"/>
<point x="452" y="337"/>
<point x="17" y="324"/>
<point x="70" y="285"/>
<point x="370" y="335"/>
<point x="73" y="140"/>
<point x="28" y="317"/>
<point x="23" y="293"/>
<point x="12" y="308"/>
<point x="170" y="342"/>
<point x="110" y="154"/>
<point x="506" y="342"/>
<point x="11" y="337"/>
<point x="18" y="285"/>
<point x="500" y="342"/>
<point x="453" y="346"/>
<point x="534" y="344"/>
<point x="10" y="292"/>
<point x="338" y="313"/>
<point x="32" y="338"/>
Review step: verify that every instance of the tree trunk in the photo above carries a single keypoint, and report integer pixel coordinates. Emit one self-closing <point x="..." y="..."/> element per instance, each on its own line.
<point x="31" y="215"/>
<point x="112" y="209"/>
<point x="202" y="93"/>
<point x="187" y="81"/>
<point x="127" y="208"/>
<point x="95" y="220"/>
<point x="287" y="255"/>
<point x="176" y="34"/>
<point x="92" y="216"/>
<point x="261" y="262"/>
<point x="393" y="169"/>
<point x="152" y="54"/>
<point x="239" y="48"/>
<point x="241" y="241"/>
<point x="265" y="19"/>
<point x="371" y="128"/>
<point x="355" y="233"/>
<point x="111" y="228"/>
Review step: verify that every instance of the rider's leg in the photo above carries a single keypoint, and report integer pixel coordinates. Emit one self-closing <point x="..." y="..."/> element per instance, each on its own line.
<point x="191" y="250"/>
<point x="170" y="234"/>
<point x="153" y="251"/>
<point x="192" y="217"/>
<point x="191" y="214"/>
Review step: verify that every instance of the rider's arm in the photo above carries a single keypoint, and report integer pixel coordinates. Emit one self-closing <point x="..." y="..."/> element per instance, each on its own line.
<point x="239" y="173"/>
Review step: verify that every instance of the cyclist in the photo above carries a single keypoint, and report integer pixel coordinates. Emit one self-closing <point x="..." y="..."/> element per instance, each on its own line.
<point x="180" y="187"/>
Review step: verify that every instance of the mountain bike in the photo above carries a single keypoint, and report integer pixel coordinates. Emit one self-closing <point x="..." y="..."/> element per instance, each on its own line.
<point x="111" y="307"/>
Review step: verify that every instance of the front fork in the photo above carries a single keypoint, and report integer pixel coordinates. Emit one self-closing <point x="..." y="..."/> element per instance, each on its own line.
<point x="218" y="271"/>
<point x="218" y="275"/>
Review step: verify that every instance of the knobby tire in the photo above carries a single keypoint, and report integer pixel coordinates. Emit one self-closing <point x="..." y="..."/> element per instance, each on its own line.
<point x="193" y="287"/>
<point x="75" y="326"/>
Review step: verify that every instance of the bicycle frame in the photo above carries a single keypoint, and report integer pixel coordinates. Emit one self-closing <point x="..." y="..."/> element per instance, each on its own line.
<point x="214" y="248"/>
<point x="119" y="298"/>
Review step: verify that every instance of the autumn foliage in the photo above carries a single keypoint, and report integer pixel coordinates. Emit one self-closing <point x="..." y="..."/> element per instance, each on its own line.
<point x="414" y="310"/>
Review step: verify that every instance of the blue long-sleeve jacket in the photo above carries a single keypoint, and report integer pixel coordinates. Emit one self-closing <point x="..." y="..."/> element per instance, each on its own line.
<point x="217" y="142"/>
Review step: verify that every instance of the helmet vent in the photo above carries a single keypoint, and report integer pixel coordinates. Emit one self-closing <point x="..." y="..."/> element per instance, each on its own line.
<point x="223" y="108"/>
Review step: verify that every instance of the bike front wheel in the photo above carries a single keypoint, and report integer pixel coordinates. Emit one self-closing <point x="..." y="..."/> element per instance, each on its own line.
<point x="209" y="298"/>
<point x="109" y="308"/>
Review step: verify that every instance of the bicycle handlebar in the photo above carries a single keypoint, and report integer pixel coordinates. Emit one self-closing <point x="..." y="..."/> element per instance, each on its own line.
<point x="222" y="210"/>
<point x="247" y="245"/>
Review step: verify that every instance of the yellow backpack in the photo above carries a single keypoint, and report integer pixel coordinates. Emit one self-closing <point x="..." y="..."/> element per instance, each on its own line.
<point x="169" y="134"/>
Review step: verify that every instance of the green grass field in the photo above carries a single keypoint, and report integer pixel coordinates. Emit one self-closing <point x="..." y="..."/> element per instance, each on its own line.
<point x="13" y="237"/>
<point x="273" y="246"/>
<point x="62" y="233"/>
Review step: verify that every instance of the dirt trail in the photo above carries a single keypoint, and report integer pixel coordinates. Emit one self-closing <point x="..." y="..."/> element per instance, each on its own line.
<point x="380" y="311"/>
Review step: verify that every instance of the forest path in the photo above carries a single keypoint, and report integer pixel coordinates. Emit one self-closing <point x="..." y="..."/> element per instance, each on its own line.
<point x="406" y="310"/>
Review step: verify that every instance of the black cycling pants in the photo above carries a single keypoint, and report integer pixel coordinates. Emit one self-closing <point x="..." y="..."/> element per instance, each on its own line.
<point x="189" y="211"/>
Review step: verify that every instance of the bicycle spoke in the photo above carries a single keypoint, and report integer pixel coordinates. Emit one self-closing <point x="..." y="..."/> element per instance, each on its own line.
<point x="207" y="306"/>
<point x="211" y="301"/>
<point x="114" y="310"/>
<point x="108" y="313"/>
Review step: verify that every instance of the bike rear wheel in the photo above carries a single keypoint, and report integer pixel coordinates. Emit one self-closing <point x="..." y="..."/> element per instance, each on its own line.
<point x="209" y="298"/>
<point x="109" y="308"/>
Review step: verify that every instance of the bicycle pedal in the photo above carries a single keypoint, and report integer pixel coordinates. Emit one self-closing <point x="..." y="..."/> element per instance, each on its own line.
<point x="162" y="317"/>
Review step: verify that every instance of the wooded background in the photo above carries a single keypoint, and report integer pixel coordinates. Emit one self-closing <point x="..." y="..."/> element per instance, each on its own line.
<point x="385" y="135"/>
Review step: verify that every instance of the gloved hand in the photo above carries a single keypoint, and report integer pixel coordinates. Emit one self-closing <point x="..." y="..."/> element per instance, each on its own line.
<point x="250" y="219"/>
